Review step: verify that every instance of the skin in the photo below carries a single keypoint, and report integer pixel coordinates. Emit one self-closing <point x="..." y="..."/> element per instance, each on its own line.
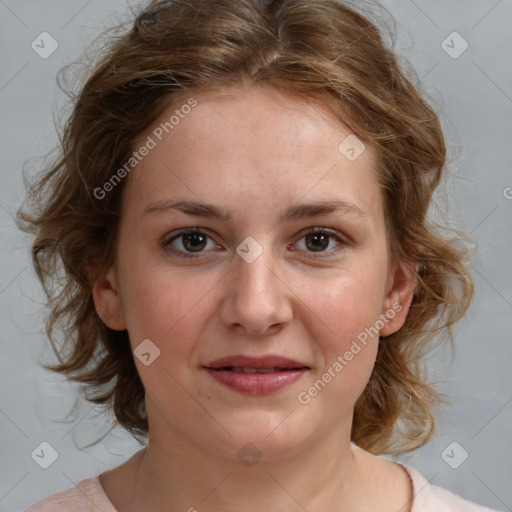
<point x="253" y="152"/>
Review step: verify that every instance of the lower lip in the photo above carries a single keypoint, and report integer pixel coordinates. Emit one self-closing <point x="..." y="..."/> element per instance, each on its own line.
<point x="256" y="383"/>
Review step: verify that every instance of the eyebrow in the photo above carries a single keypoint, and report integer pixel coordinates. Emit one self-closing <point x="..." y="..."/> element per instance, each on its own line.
<point x="298" y="211"/>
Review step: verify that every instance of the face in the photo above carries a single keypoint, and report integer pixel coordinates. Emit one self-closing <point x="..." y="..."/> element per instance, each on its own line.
<point x="288" y="258"/>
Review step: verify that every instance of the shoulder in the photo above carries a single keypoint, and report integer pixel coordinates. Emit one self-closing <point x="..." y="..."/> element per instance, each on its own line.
<point x="430" y="498"/>
<point x="86" y="496"/>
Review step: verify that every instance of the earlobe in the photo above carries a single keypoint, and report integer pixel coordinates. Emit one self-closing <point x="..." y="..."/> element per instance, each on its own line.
<point x="107" y="299"/>
<point x="398" y="299"/>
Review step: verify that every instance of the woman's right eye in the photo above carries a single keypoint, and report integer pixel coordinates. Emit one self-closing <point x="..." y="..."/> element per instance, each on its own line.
<point x="188" y="243"/>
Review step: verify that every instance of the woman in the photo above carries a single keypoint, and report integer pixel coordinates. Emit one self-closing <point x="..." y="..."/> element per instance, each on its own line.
<point x="249" y="276"/>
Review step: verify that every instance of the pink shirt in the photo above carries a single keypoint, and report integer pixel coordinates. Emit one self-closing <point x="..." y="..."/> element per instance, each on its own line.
<point x="89" y="496"/>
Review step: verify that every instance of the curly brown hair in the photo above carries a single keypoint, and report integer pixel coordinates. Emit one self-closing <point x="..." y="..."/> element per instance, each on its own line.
<point x="325" y="49"/>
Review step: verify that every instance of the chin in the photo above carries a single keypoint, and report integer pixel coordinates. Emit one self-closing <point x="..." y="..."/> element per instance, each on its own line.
<point x="263" y="436"/>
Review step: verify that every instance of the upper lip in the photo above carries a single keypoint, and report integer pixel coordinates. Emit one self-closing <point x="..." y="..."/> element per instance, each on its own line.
<point x="243" y="361"/>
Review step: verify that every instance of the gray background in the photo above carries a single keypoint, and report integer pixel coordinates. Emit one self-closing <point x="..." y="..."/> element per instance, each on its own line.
<point x="472" y="93"/>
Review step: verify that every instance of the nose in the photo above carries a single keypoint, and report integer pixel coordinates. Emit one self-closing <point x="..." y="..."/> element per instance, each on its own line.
<point x="257" y="299"/>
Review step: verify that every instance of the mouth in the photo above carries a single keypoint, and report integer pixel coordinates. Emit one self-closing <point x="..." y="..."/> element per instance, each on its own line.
<point x="255" y="364"/>
<point x="256" y="375"/>
<point x="242" y="369"/>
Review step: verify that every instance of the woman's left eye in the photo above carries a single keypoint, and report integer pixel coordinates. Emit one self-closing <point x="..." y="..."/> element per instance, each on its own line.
<point x="190" y="243"/>
<point x="317" y="240"/>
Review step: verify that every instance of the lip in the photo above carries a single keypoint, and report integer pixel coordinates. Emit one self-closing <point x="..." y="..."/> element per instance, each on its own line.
<point x="267" y="361"/>
<point x="287" y="371"/>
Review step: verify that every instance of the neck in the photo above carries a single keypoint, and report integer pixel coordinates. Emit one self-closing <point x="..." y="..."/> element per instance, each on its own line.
<point x="173" y="474"/>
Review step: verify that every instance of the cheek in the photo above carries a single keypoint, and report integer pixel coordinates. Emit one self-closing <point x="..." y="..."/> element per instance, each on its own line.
<point x="348" y="308"/>
<point x="166" y="307"/>
<point x="167" y="315"/>
<point x="345" y="305"/>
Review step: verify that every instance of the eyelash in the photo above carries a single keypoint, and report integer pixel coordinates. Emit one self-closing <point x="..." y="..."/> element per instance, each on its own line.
<point x="310" y="231"/>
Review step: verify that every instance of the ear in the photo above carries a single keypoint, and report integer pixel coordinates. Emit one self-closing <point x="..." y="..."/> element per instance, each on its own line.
<point x="400" y="292"/>
<point x="107" y="300"/>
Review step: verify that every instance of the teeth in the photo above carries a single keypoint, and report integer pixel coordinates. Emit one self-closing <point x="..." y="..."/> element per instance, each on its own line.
<point x="239" y="369"/>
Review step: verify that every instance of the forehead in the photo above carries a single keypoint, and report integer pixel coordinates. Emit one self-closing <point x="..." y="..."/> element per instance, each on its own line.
<point x="235" y="145"/>
<point x="247" y="114"/>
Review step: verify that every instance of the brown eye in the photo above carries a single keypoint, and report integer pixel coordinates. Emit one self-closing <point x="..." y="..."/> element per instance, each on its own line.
<point x="189" y="243"/>
<point x="194" y="241"/>
<point x="317" y="241"/>
<point x="322" y="241"/>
